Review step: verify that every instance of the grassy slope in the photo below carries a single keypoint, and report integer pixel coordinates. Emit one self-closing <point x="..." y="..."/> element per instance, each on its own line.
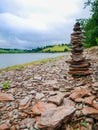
<point x="3" y="51"/>
<point x="56" y="49"/>
<point x="11" y="51"/>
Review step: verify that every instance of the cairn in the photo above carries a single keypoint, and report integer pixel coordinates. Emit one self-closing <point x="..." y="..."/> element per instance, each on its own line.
<point x="79" y="65"/>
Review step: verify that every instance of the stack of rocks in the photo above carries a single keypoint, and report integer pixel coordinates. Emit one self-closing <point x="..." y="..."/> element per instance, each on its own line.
<point x="78" y="64"/>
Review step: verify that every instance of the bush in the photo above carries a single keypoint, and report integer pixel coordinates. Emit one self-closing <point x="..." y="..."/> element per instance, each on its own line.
<point x="6" y="85"/>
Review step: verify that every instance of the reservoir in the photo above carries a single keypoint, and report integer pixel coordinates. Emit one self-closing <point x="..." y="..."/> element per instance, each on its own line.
<point x="7" y="60"/>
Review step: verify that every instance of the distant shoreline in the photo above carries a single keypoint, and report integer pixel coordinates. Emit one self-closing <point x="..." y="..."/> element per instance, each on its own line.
<point x="46" y="49"/>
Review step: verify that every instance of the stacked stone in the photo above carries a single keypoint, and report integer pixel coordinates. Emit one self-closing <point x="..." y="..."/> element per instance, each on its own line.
<point x="78" y="64"/>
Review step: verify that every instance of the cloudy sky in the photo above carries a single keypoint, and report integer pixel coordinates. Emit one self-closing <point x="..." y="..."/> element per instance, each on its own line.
<point x="27" y="24"/>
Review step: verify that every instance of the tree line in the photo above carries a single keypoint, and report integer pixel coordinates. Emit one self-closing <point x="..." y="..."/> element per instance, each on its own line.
<point x="90" y="26"/>
<point x="35" y="50"/>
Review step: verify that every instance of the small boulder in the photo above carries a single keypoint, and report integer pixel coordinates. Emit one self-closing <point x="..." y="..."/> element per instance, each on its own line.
<point x="79" y="92"/>
<point x="54" y="118"/>
<point x="90" y="112"/>
<point x="41" y="107"/>
<point x="57" y="99"/>
<point x="6" y="97"/>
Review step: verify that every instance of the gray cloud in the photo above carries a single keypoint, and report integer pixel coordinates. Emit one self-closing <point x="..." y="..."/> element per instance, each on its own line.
<point x="36" y="23"/>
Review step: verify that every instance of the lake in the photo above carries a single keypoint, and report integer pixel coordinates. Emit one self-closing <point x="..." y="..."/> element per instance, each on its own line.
<point x="7" y="60"/>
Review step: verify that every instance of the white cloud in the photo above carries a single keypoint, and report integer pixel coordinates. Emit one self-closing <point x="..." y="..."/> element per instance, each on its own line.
<point x="40" y="19"/>
<point x="51" y="6"/>
<point x="17" y="22"/>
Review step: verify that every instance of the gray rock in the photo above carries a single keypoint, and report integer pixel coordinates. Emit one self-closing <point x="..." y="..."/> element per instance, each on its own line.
<point x="39" y="96"/>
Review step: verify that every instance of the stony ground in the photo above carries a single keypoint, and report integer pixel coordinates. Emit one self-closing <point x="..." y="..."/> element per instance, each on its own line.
<point x="46" y="97"/>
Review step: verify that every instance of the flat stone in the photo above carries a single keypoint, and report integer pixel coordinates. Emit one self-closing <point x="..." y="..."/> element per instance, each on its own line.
<point x="36" y="77"/>
<point x="24" y="103"/>
<point x="79" y="92"/>
<point x="89" y="111"/>
<point x="33" y="92"/>
<point x="76" y="33"/>
<point x="89" y="100"/>
<point x="78" y="69"/>
<point x="52" y="93"/>
<point x="68" y="103"/>
<point x="81" y="65"/>
<point x="54" y="118"/>
<point x="95" y="84"/>
<point x="81" y="73"/>
<point x="81" y="56"/>
<point x="6" y="97"/>
<point x="55" y="87"/>
<point x="95" y="105"/>
<point x="86" y="100"/>
<point x="39" y="96"/>
<point x="41" y="107"/>
<point x="50" y="82"/>
<point x="57" y="99"/>
<point x="28" y="121"/>
<point x="4" y="126"/>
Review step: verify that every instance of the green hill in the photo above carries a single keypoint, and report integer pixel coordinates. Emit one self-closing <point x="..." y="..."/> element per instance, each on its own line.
<point x="57" y="48"/>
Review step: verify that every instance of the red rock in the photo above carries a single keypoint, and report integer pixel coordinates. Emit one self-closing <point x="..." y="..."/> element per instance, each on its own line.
<point x="81" y="72"/>
<point x="89" y="100"/>
<point x="4" y="127"/>
<point x="78" y="69"/>
<point x="82" y="65"/>
<point x="6" y="97"/>
<point x="95" y="105"/>
<point x="57" y="99"/>
<point x="79" y="92"/>
<point x="55" y="117"/>
<point x="90" y="112"/>
<point x="86" y="100"/>
<point x="79" y="100"/>
<point x="55" y="87"/>
<point x="23" y="115"/>
<point x="68" y="103"/>
<point x="13" y="128"/>
<point x="69" y="77"/>
<point x="24" y="103"/>
<point x="41" y="107"/>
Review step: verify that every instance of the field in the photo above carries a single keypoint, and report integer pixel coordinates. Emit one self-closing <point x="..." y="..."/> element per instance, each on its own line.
<point x="57" y="48"/>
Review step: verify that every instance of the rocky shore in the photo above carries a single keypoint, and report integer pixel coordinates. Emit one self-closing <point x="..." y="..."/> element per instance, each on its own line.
<point x="46" y="97"/>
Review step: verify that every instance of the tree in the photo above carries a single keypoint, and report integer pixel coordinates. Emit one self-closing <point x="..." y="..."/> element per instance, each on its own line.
<point x="90" y="26"/>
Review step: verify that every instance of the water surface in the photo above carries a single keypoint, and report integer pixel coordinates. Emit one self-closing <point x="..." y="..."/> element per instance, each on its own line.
<point x="7" y="60"/>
